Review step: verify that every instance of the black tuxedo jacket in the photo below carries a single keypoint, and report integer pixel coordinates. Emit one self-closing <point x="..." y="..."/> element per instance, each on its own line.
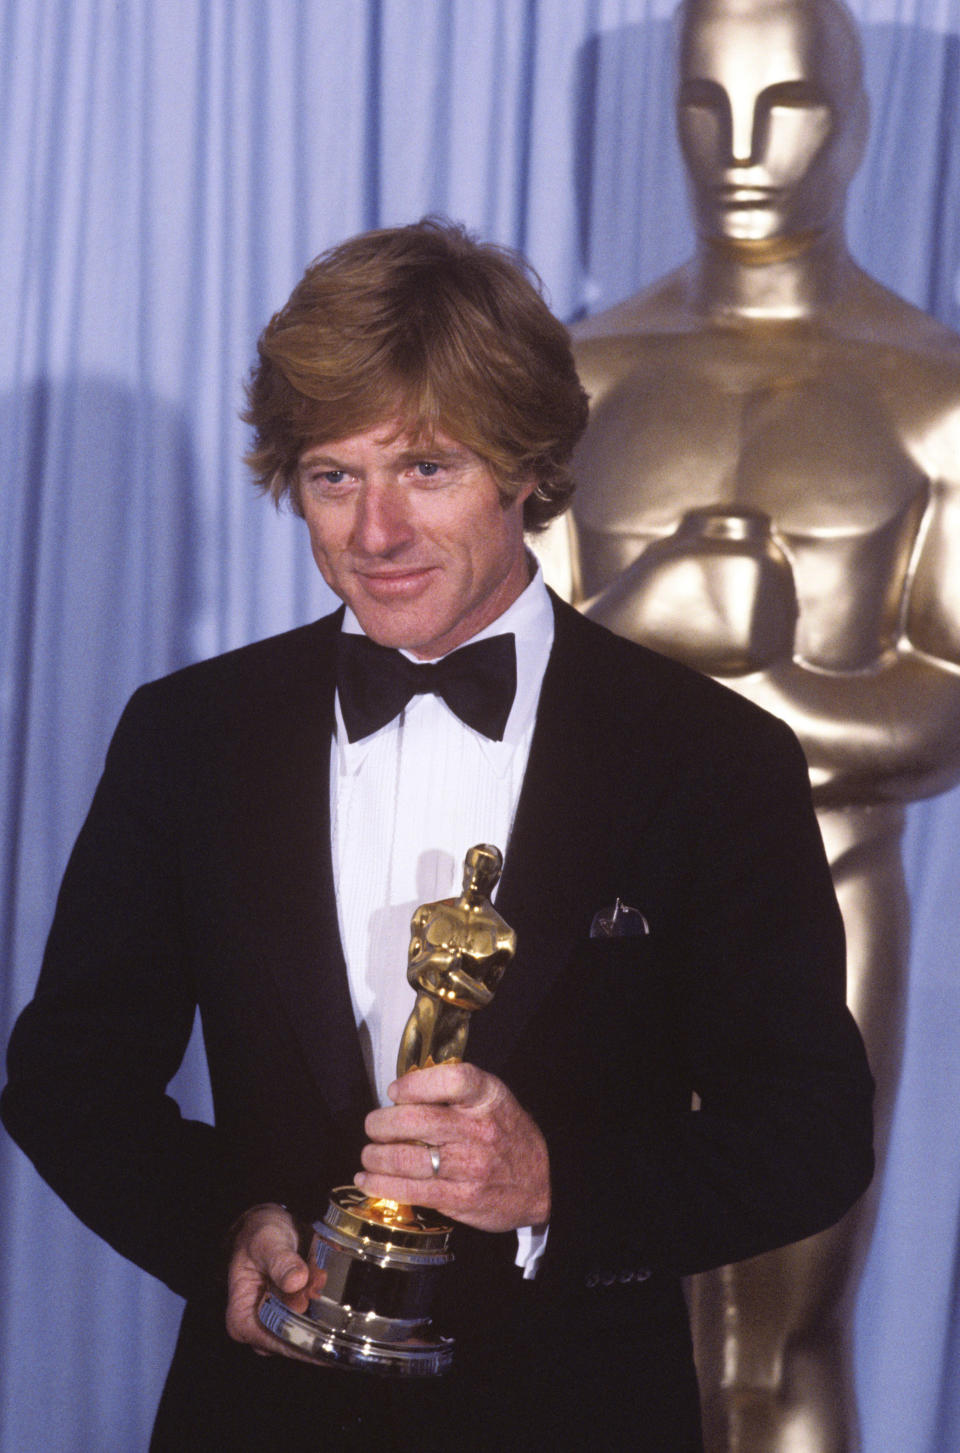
<point x="203" y="876"/>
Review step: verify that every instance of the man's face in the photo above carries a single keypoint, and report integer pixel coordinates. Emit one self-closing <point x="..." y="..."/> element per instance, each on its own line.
<point x="770" y="116"/>
<point x="413" y="535"/>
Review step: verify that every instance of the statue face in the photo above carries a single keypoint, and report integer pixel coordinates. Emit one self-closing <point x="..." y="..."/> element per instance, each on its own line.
<point x="771" y="115"/>
<point x="481" y="868"/>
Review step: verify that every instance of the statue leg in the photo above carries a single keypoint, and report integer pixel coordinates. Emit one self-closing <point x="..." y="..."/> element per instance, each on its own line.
<point x="773" y="1335"/>
<point x="450" y="1034"/>
<point x="417" y="1034"/>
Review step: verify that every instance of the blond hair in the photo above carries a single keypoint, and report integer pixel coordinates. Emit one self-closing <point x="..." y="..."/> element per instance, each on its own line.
<point x="425" y="325"/>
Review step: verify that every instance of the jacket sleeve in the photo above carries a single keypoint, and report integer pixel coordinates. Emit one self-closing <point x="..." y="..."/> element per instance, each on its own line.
<point x="91" y="1056"/>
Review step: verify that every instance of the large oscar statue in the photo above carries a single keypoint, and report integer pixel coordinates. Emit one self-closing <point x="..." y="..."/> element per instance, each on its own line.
<point x="382" y="1259"/>
<point x="770" y="490"/>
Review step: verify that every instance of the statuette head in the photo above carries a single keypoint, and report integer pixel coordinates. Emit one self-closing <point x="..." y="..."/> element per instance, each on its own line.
<point x="772" y="115"/>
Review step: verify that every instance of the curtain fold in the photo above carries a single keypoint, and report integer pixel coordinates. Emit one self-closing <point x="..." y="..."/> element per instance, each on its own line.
<point x="168" y="169"/>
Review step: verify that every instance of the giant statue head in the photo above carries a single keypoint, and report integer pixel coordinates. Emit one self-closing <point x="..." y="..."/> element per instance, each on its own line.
<point x="772" y="115"/>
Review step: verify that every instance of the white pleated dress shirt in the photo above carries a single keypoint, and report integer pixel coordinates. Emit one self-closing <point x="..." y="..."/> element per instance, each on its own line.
<point x="406" y="803"/>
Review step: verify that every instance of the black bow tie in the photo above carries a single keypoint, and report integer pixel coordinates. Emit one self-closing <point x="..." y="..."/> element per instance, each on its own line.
<point x="478" y="682"/>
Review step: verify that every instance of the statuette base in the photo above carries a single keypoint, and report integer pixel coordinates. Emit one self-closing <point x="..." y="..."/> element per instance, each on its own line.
<point x="382" y="1262"/>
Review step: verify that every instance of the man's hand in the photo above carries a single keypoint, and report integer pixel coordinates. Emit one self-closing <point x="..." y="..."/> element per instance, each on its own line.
<point x="494" y="1170"/>
<point x="265" y="1259"/>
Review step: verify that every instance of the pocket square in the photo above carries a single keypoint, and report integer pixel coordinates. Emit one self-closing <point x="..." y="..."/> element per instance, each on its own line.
<point x="620" y="921"/>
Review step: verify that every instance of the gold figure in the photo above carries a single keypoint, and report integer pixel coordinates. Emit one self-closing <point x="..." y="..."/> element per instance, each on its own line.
<point x="770" y="489"/>
<point x="381" y="1257"/>
<point x="459" y="949"/>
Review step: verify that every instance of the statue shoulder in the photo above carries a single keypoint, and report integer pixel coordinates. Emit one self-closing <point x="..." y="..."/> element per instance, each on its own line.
<point x="917" y="371"/>
<point x="618" y="340"/>
<point x="663" y="306"/>
<point x="874" y="314"/>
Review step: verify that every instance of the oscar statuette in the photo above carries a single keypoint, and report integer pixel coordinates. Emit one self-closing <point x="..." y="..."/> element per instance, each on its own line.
<point x="383" y="1259"/>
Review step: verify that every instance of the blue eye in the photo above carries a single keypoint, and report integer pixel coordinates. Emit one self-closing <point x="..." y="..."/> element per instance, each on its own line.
<point x="333" y="476"/>
<point x="428" y="468"/>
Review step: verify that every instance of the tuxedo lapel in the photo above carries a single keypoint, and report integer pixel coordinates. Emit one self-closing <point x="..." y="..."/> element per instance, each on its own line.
<point x="581" y="784"/>
<point x="289" y="889"/>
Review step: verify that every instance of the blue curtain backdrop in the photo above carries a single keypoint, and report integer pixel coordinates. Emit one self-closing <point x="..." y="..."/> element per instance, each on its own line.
<point x="167" y="169"/>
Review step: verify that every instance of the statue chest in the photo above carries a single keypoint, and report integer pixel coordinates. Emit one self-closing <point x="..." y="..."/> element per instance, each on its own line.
<point x="816" y="453"/>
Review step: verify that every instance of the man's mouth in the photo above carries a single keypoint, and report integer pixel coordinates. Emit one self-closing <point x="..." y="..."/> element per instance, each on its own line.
<point x="389" y="584"/>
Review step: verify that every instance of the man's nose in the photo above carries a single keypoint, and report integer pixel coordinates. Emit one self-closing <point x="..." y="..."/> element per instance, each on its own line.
<point x="381" y="522"/>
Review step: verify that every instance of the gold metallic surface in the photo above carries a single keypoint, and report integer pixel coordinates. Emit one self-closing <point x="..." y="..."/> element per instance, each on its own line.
<point x="459" y="948"/>
<point x="379" y="1222"/>
<point x="381" y="1257"/>
<point x="770" y="490"/>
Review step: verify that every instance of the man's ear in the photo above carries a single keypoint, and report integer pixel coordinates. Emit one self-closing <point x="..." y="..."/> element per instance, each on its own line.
<point x="524" y="491"/>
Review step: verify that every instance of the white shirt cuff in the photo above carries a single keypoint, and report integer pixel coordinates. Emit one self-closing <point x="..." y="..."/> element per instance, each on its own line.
<point x="531" y="1244"/>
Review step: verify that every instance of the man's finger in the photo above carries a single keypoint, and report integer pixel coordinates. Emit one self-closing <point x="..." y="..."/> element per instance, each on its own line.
<point x="446" y="1197"/>
<point x="413" y="1162"/>
<point x="458" y="1083"/>
<point x="415" y="1123"/>
<point x="278" y="1261"/>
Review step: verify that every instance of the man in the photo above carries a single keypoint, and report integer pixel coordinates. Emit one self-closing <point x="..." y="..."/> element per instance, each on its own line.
<point x="771" y="492"/>
<point x="257" y="847"/>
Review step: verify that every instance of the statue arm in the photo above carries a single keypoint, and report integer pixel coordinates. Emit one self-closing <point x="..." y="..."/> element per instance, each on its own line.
<point x="932" y="620"/>
<point x="892" y="733"/>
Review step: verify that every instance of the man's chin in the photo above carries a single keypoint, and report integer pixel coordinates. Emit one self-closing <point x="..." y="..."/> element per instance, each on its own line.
<point x="402" y="629"/>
